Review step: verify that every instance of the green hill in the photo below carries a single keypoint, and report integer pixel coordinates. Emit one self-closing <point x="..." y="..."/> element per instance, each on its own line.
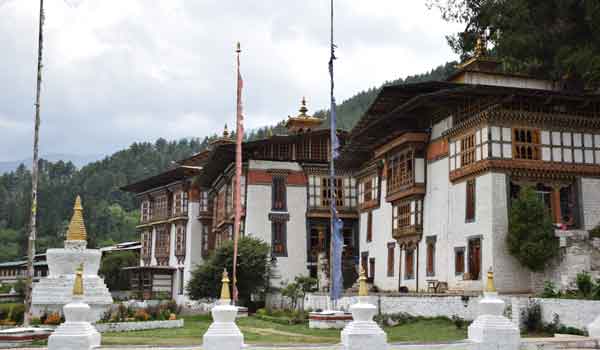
<point x="111" y="215"/>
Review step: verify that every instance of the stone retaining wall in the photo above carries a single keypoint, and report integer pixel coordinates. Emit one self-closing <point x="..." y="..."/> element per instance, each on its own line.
<point x="571" y="312"/>
<point x="137" y="326"/>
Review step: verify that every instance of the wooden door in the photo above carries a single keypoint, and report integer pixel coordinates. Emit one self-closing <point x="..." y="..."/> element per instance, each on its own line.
<point x="475" y="258"/>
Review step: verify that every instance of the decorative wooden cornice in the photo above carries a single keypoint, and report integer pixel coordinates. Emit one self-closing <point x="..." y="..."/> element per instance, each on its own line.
<point x="414" y="190"/>
<point x="406" y="138"/>
<point x="527" y="168"/>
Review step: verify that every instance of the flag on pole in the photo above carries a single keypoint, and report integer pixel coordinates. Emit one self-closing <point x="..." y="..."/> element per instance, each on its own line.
<point x="239" y="133"/>
<point x="337" y="239"/>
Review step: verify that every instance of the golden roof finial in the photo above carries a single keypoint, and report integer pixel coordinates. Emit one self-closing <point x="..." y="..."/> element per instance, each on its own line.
<point x="76" y="231"/>
<point x="363" y="289"/>
<point x="490" y="281"/>
<point x="303" y="108"/>
<point x="78" y="285"/>
<point x="225" y="286"/>
<point x="480" y="46"/>
<point x="225" y="131"/>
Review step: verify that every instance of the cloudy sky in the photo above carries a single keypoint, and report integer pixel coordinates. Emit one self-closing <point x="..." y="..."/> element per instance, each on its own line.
<point x="119" y="71"/>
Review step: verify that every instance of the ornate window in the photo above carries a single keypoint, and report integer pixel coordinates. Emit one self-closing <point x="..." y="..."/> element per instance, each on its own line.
<point x="430" y="268"/>
<point x="409" y="264"/>
<point x="390" y="259"/>
<point x="163" y="241"/>
<point x="467" y="153"/>
<point x="407" y="217"/>
<point x="278" y="236"/>
<point x="284" y="151"/>
<point x="145" y="211"/>
<point x="203" y="203"/>
<point x="470" y="201"/>
<point x="180" y="243"/>
<point x="180" y="203"/>
<point x="368" y="191"/>
<point x="526" y="143"/>
<point x="319" y="148"/>
<point x="319" y="192"/>
<point x="278" y="193"/>
<point x="147" y="247"/>
<point x="161" y="207"/>
<point x="400" y="171"/>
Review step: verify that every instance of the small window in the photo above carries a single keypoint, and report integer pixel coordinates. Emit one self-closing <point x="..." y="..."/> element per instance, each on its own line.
<point x="409" y="264"/>
<point x="526" y="144"/>
<point x="390" y="259"/>
<point x="364" y="261"/>
<point x="279" y="193"/>
<point x="181" y="281"/>
<point x="470" y="201"/>
<point x="459" y="261"/>
<point x="430" y="270"/>
<point x="369" y="226"/>
<point x="279" y="239"/>
<point x="372" y="269"/>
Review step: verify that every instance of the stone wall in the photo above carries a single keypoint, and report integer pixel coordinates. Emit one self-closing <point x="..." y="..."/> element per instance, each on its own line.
<point x="137" y="326"/>
<point x="575" y="313"/>
<point x="590" y="200"/>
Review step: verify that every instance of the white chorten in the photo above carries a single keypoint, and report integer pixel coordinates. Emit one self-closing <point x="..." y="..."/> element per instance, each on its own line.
<point x="491" y="329"/>
<point x="223" y="333"/>
<point x="363" y="332"/>
<point x="53" y="292"/>
<point x="76" y="333"/>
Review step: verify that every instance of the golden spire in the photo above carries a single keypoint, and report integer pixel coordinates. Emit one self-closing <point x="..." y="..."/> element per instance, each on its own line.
<point x="490" y="281"/>
<point x="225" y="286"/>
<point x="363" y="290"/>
<point x="303" y="108"/>
<point x="480" y="46"/>
<point x="78" y="285"/>
<point x="225" y="131"/>
<point x="76" y="231"/>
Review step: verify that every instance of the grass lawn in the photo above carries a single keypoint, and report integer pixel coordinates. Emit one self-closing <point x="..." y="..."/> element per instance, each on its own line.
<point x="263" y="332"/>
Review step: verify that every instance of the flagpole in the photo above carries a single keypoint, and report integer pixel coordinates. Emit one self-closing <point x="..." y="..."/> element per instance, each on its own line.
<point x="238" y="174"/>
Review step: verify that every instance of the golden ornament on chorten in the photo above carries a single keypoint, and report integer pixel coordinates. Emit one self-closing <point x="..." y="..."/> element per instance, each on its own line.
<point x="303" y="122"/>
<point x="363" y="289"/>
<point x="78" y="285"/>
<point x="225" y="286"/>
<point x="76" y="231"/>
<point x="490" y="287"/>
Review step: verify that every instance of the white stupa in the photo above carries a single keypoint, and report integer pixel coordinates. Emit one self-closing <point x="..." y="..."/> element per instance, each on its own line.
<point x="223" y="333"/>
<point x="491" y="330"/>
<point x="53" y="292"/>
<point x="76" y="333"/>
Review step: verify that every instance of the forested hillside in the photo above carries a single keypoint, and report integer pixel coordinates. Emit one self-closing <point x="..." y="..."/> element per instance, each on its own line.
<point x="111" y="215"/>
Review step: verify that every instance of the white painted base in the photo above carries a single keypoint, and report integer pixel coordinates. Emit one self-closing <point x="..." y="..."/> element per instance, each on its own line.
<point x="223" y="333"/>
<point x="329" y="319"/>
<point x="76" y="333"/>
<point x="491" y="330"/>
<point x="363" y="332"/>
<point x="594" y="328"/>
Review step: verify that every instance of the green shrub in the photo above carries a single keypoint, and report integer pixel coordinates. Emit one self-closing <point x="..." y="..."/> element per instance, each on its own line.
<point x="111" y="269"/>
<point x="530" y="237"/>
<point x="12" y="312"/>
<point x="532" y="317"/>
<point x="459" y="322"/>
<point x="549" y="290"/>
<point x="585" y="284"/>
<point x="595" y="232"/>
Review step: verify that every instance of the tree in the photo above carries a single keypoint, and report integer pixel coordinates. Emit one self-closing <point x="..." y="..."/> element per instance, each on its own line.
<point x="530" y="236"/>
<point x="550" y="39"/>
<point x="253" y="270"/>
<point x="298" y="289"/>
<point x="111" y="265"/>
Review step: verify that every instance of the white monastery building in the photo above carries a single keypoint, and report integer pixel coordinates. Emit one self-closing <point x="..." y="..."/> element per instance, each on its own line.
<point x="425" y="183"/>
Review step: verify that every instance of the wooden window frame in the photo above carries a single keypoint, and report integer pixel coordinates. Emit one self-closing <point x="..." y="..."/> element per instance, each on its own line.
<point x="369" y="226"/>
<point x="279" y="193"/>
<point x="526" y="144"/>
<point x="391" y="251"/>
<point x="467" y="150"/>
<point x="470" y="200"/>
<point x="279" y="228"/>
<point x="409" y="264"/>
<point x="459" y="256"/>
<point x="372" y="267"/>
<point x="430" y="256"/>
<point x="400" y="170"/>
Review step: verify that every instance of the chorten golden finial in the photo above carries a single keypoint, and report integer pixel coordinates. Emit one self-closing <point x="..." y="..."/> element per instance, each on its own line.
<point x="490" y="281"/>
<point x="363" y="290"/>
<point x="225" y="286"/>
<point x="480" y="47"/>
<point x="78" y="285"/>
<point x="225" y="131"/>
<point x="303" y="108"/>
<point x="76" y="231"/>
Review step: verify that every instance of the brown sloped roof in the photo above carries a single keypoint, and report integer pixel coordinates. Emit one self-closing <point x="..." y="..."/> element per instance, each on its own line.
<point x="162" y="179"/>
